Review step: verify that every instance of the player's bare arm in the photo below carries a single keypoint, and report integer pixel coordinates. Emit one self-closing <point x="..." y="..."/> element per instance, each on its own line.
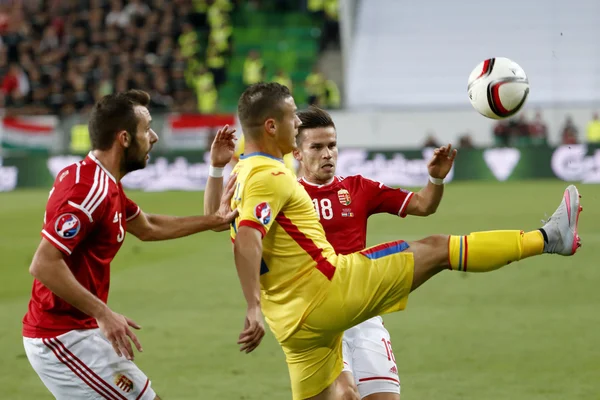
<point x="247" y="251"/>
<point x="221" y="152"/>
<point x="49" y="267"/>
<point x="426" y="201"/>
<point x="151" y="227"/>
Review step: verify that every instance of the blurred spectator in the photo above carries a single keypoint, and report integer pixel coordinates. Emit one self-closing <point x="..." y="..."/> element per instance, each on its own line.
<point x="136" y="10"/>
<point x="521" y="133"/>
<point x="50" y="40"/>
<point x="593" y="130"/>
<point x="4" y="18"/>
<point x="515" y="131"/>
<point x="15" y="84"/>
<point x="328" y="11"/>
<point x="430" y="140"/>
<point x="333" y="99"/>
<point x="117" y="16"/>
<point x="315" y="6"/>
<point x="315" y="87"/>
<point x="215" y="60"/>
<point x="189" y="41"/>
<point x="206" y="93"/>
<point x="331" y="29"/>
<point x="538" y="130"/>
<point x="501" y="133"/>
<point x="283" y="78"/>
<point x="254" y="68"/>
<point x="569" y="132"/>
<point x="465" y="141"/>
<point x="220" y="36"/>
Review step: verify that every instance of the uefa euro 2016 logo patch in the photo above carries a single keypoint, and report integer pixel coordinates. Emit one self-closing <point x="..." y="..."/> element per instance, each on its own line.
<point x="67" y="226"/>
<point x="262" y="212"/>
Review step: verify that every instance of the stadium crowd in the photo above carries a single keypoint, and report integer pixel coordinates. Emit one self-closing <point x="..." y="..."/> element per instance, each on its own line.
<point x="519" y="131"/>
<point x="60" y="56"/>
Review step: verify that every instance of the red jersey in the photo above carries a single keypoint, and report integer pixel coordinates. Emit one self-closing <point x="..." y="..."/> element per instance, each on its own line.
<point x="86" y="216"/>
<point x="345" y="204"/>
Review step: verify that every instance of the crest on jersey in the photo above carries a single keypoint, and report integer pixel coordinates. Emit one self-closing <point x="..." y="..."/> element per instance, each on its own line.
<point x="123" y="383"/>
<point x="344" y="197"/>
<point x="262" y="212"/>
<point x="67" y="226"/>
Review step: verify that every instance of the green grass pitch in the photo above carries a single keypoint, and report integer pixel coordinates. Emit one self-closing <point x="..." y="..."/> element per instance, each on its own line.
<point x="528" y="331"/>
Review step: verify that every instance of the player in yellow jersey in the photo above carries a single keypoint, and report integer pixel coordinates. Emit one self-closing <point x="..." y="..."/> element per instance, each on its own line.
<point x="309" y="295"/>
<point x="288" y="159"/>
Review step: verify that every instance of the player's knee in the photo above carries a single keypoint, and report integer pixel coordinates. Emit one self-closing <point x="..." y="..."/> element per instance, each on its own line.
<point x="437" y="249"/>
<point x="349" y="391"/>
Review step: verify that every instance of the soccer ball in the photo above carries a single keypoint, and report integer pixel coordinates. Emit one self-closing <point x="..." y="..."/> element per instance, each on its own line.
<point x="498" y="88"/>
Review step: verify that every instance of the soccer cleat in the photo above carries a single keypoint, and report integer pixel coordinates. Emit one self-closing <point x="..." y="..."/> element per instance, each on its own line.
<point x="561" y="227"/>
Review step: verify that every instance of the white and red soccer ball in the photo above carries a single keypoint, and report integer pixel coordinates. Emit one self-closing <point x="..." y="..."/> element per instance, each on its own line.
<point x="498" y="88"/>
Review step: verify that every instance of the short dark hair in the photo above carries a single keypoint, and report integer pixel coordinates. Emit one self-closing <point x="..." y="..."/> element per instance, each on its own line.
<point x="113" y="113"/>
<point x="259" y="102"/>
<point x="312" y="117"/>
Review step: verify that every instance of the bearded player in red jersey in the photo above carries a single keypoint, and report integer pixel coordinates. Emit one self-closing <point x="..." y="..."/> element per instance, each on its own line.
<point x="343" y="206"/>
<point x="78" y="346"/>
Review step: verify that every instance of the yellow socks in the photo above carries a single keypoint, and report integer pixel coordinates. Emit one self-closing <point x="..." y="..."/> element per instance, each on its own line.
<point x="487" y="251"/>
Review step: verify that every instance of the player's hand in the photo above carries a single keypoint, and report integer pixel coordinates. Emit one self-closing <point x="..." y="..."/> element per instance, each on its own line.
<point x="225" y="214"/>
<point x="223" y="147"/>
<point x="254" y="330"/>
<point x="441" y="162"/>
<point x="115" y="327"/>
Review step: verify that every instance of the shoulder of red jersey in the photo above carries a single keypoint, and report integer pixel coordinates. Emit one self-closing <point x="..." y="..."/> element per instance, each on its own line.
<point x="86" y="185"/>
<point x="354" y="180"/>
<point x="362" y="182"/>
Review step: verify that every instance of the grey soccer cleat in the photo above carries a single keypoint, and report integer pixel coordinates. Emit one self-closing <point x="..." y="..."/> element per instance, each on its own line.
<point x="561" y="227"/>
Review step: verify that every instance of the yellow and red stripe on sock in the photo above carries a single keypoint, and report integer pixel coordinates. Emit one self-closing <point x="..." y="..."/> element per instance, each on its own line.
<point x="385" y="249"/>
<point x="458" y="250"/>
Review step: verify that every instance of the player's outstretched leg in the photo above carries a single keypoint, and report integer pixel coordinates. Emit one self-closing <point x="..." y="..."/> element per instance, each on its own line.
<point x="488" y="251"/>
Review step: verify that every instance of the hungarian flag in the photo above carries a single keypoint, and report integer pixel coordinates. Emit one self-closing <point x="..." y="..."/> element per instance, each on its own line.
<point x="195" y="130"/>
<point x="31" y="133"/>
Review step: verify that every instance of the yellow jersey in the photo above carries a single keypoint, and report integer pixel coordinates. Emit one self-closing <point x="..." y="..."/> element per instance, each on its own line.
<point x="298" y="262"/>
<point x="288" y="159"/>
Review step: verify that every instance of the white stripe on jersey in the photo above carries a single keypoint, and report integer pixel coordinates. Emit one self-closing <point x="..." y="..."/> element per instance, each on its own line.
<point x="93" y="189"/>
<point x="53" y="239"/>
<point x="77" y="206"/>
<point x="95" y="196"/>
<point x="134" y="215"/>
<point x="90" y="155"/>
<point x="77" y="173"/>
<point x="102" y="197"/>
<point x="406" y="200"/>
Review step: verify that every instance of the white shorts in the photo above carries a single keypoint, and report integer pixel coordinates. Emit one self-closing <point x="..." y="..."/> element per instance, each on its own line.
<point x="82" y="364"/>
<point x="368" y="356"/>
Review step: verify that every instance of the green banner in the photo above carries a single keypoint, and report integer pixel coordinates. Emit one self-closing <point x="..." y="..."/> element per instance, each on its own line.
<point x="189" y="170"/>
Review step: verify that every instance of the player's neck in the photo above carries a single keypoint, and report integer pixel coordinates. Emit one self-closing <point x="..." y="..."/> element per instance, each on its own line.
<point x="110" y="161"/>
<point x="261" y="147"/>
<point x="317" y="182"/>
